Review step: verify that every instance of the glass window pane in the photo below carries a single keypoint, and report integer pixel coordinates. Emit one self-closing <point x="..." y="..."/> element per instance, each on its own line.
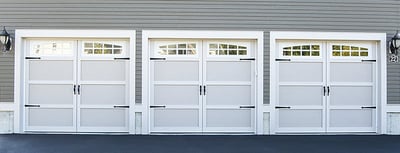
<point x="315" y="53"/>
<point x="233" y="47"/>
<point x="315" y="47"/>
<point x="242" y="47"/>
<point x="305" y="53"/>
<point x="213" y="46"/>
<point x="355" y="48"/>
<point x="305" y="47"/>
<point x="88" y="45"/>
<point x="232" y="52"/>
<point x="363" y="53"/>
<point x="172" y="46"/>
<point x="212" y="52"/>
<point x="98" y="45"/>
<point x="108" y="45"/>
<point x="163" y="46"/>
<point x="223" y="46"/>
<point x="345" y="53"/>
<point x="193" y="46"/>
<point x="181" y="45"/>
<point x="242" y="52"/>
<point x="355" y="54"/>
<point x="171" y="52"/>
<point x="287" y="53"/>
<point x="107" y="51"/>
<point x="296" y="47"/>
<point x="345" y="47"/>
<point x="88" y="51"/>
<point x="223" y="52"/>
<point x="98" y="51"/>
<point x="336" y="53"/>
<point x="335" y="47"/>
<point x="296" y="53"/>
<point x="182" y="52"/>
<point x="117" y="51"/>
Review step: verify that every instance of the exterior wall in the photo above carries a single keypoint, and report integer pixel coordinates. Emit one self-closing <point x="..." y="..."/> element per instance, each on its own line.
<point x="261" y="15"/>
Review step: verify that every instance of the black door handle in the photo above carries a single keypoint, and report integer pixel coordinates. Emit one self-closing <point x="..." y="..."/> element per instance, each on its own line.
<point x="32" y="105"/>
<point x="373" y="107"/>
<point x="247" y="106"/>
<point x="157" y="106"/>
<point x="324" y="89"/>
<point x="329" y="91"/>
<point x="74" y="89"/>
<point x="201" y="89"/>
<point x="79" y="89"/>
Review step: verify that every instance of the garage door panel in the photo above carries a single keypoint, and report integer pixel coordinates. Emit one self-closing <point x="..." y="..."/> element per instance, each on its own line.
<point x="103" y="94"/>
<point x="176" y="95"/>
<point x="176" y="71"/>
<point x="351" y="95"/>
<point x="300" y="95"/>
<point x="50" y="94"/>
<point x="176" y="118"/>
<point x="351" y="72"/>
<point x="107" y="70"/>
<point x="300" y="118"/>
<point x="351" y="118"/>
<point x="229" y="118"/>
<point x="228" y="95"/>
<point x="51" y="70"/>
<point x="300" y="72"/>
<point x="228" y="71"/>
<point x="103" y="117"/>
<point x="50" y="117"/>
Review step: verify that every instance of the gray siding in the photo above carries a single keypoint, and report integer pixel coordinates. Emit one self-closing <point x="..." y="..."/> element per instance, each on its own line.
<point x="265" y="15"/>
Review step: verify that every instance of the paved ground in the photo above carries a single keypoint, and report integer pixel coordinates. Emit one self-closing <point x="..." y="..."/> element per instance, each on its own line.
<point x="199" y="144"/>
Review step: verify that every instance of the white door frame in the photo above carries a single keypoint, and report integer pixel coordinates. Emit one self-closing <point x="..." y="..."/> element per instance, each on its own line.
<point x="19" y="88"/>
<point x="182" y="34"/>
<point x="380" y="38"/>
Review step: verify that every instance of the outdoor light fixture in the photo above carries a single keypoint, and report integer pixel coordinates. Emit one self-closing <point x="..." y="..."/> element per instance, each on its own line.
<point x="394" y="48"/>
<point x="5" y="40"/>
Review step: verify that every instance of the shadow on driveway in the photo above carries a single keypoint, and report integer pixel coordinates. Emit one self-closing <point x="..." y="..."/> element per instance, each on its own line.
<point x="38" y="143"/>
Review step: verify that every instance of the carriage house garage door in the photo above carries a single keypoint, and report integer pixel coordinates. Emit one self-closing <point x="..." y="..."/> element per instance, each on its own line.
<point x="202" y="85"/>
<point x="76" y="85"/>
<point x="326" y="86"/>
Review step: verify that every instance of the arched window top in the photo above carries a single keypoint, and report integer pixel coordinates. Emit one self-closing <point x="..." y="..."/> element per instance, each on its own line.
<point x="46" y="47"/>
<point x="349" y="50"/>
<point x="227" y="49"/>
<point x="183" y="48"/>
<point x="302" y="50"/>
<point x="102" y="47"/>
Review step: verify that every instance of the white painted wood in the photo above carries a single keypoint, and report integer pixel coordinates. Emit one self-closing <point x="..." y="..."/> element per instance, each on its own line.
<point x="380" y="73"/>
<point x="27" y="34"/>
<point x="170" y="34"/>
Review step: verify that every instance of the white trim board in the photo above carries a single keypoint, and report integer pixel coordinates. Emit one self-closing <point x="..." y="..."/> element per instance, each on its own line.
<point x="21" y="34"/>
<point x="191" y="34"/>
<point x="380" y="38"/>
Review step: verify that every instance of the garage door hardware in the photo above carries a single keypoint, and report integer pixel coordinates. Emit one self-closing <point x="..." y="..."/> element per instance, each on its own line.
<point x="157" y="106"/>
<point x="202" y="90"/>
<point x="32" y="57"/>
<point x="74" y="89"/>
<point x="158" y="59"/>
<point x="32" y="105"/>
<point x="248" y="59"/>
<point x="282" y="59"/>
<point x="373" y="107"/>
<point x="247" y="106"/>
<point x="121" y="106"/>
<point x="121" y="58"/>
<point x="327" y="90"/>
<point x="279" y="107"/>
<point x="368" y="60"/>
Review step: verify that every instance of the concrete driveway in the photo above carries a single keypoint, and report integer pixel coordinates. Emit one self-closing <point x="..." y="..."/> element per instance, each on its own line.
<point x="39" y="143"/>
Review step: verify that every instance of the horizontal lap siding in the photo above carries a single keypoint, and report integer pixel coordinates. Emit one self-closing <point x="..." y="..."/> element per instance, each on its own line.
<point x="263" y="15"/>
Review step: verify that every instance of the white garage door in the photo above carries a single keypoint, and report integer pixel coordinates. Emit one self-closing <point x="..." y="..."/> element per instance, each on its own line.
<point x="77" y="86"/>
<point x="326" y="87"/>
<point x="202" y="86"/>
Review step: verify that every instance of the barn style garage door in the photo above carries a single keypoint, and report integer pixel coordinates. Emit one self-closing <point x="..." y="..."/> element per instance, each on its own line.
<point x="76" y="85"/>
<point x="326" y="86"/>
<point x="202" y="86"/>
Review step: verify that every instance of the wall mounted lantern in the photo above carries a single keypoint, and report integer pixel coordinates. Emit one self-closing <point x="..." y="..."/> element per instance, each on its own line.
<point x="394" y="48"/>
<point x="5" y="41"/>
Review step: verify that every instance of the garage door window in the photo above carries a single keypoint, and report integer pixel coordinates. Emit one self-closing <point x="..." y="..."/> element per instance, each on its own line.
<point x="51" y="47"/>
<point x="347" y="50"/>
<point x="301" y="50"/>
<point x="103" y="48"/>
<point x="184" y="48"/>
<point x="227" y="49"/>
